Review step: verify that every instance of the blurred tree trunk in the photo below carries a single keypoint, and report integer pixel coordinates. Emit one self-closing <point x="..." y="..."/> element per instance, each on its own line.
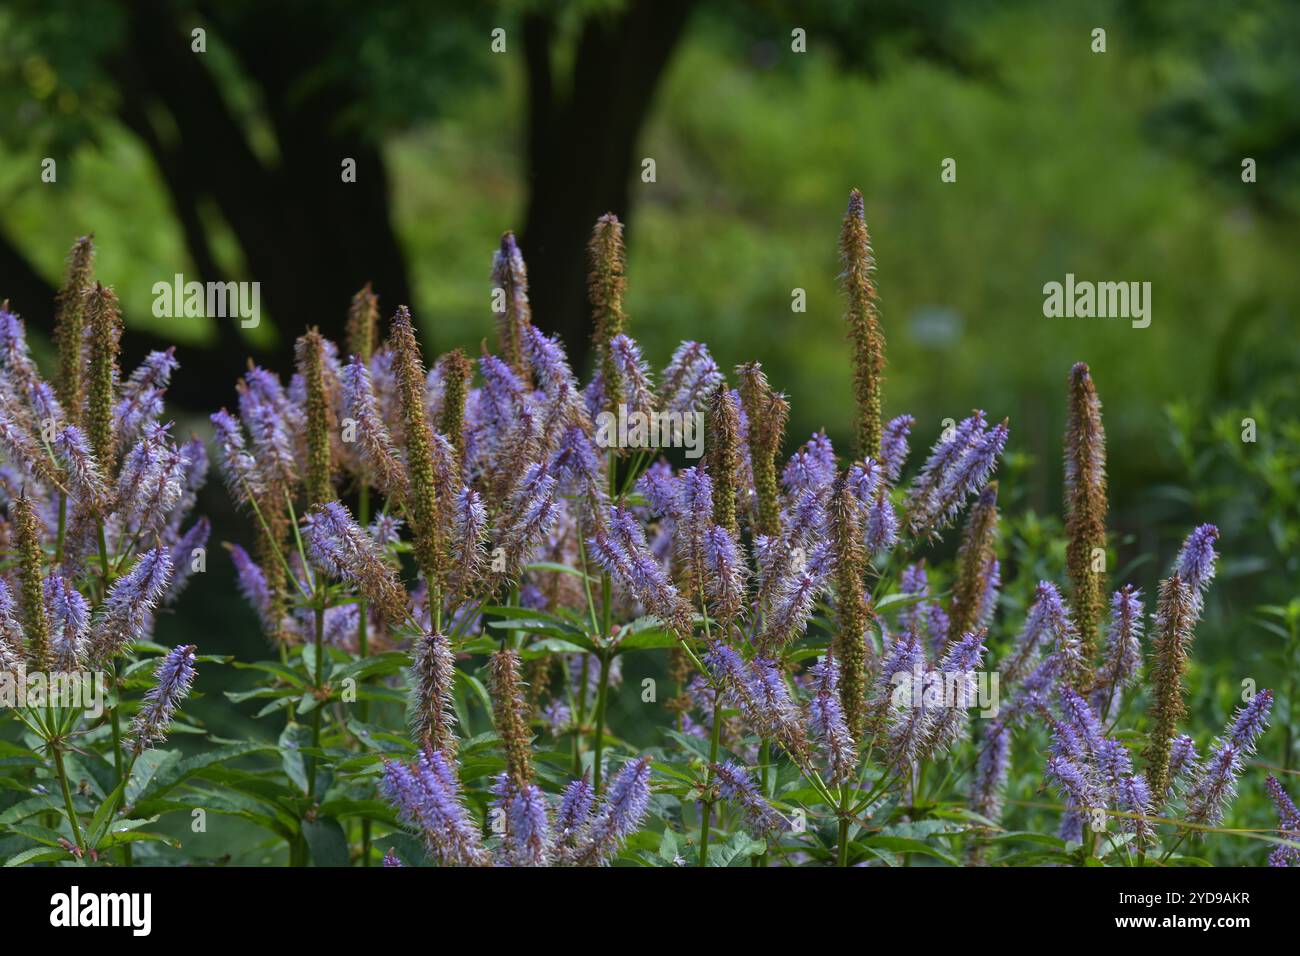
<point x="312" y="240"/>
<point x="309" y="238"/>
<point x="582" y="133"/>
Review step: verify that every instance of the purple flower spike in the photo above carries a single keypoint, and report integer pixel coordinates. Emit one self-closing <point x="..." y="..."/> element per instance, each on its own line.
<point x="130" y="603"/>
<point x="1195" y="563"/>
<point x="427" y="798"/>
<point x="1216" y="784"/>
<point x="1288" y="825"/>
<point x="893" y="446"/>
<point x="173" y="677"/>
<point x="826" y="719"/>
<point x="734" y="784"/>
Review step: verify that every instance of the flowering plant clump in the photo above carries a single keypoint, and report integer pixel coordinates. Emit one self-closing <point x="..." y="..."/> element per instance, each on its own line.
<point x="95" y="538"/>
<point x="474" y="550"/>
<point x="467" y="580"/>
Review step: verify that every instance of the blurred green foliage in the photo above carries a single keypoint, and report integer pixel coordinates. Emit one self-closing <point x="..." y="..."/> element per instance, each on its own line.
<point x="1122" y="166"/>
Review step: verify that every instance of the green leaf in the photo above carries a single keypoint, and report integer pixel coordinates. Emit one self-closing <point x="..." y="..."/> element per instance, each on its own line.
<point x="30" y="807"/>
<point x="138" y="836"/>
<point x="741" y="846"/>
<point x="104" y="815"/>
<point x="552" y="566"/>
<point x="897" y="844"/>
<point x="178" y="771"/>
<point x="292" y="741"/>
<point x="42" y="835"/>
<point x="38" y="854"/>
<point x="325" y="839"/>
<point x="668" y="846"/>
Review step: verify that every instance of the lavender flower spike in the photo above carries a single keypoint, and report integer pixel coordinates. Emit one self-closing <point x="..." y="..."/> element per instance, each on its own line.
<point x="130" y="603"/>
<point x="342" y="547"/>
<point x="621" y="813"/>
<point x="427" y="798"/>
<point x="734" y="784"/>
<point x="174" y="675"/>
<point x="1289" y="825"/>
<point x="1217" y="782"/>
<point x="1195" y="564"/>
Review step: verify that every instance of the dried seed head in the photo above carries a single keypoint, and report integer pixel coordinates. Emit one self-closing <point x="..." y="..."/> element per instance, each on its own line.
<point x="70" y="327"/>
<point x="363" y="323"/>
<point x="766" y="413"/>
<point x="511" y="716"/>
<point x="1085" y="503"/>
<point x="1175" y="615"/>
<point x="105" y="322"/>
<point x="851" y="648"/>
<point x="864" y="325"/>
<point x="320" y="417"/>
<point x="433" y="672"/>
<point x="975" y="563"/>
<point x="510" y="275"/>
<point x="424" y="505"/>
<point x="606" y="284"/>
<point x="31" y="590"/>
<point x="723" y="461"/>
<point x="456" y="372"/>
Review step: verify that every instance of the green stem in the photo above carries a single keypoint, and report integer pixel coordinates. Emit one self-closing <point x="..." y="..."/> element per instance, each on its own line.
<point x="67" y="795"/>
<point x="63" y="526"/>
<point x="714" y="741"/>
<point x="116" y="719"/>
<point x="316" y="712"/>
<point x="363" y="651"/>
<point x="601" y="697"/>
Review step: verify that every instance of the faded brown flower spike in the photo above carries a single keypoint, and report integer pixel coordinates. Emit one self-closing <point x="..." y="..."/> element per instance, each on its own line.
<point x="1085" y="505"/>
<point x="864" y="326"/>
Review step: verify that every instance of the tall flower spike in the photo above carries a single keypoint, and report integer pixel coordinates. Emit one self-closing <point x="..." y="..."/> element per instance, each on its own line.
<point x="1195" y="563"/>
<point x="69" y="617"/>
<point x="130" y="603"/>
<point x="84" y="477"/>
<point x="510" y="276"/>
<point x="424" y="507"/>
<point x="688" y="382"/>
<point x="851" y="642"/>
<point x="975" y="560"/>
<point x="1123" y="657"/>
<point x="1288" y="818"/>
<point x="363" y="323"/>
<point x="527" y="837"/>
<point x="376" y="445"/>
<point x="31" y="598"/>
<point x="172" y="679"/>
<point x="893" y="445"/>
<point x="735" y="784"/>
<point x="433" y="672"/>
<point x="1173" y="638"/>
<point x="428" y="798"/>
<point x="70" y="326"/>
<point x="1085" y="504"/>
<point x="510" y="714"/>
<point x="864" y="325"/>
<point x="1217" y="783"/>
<point x="342" y="548"/>
<point x="620" y="814"/>
<point x="766" y="413"/>
<point x="456" y="372"/>
<point x="320" y="415"/>
<point x="723" y="457"/>
<point x="105" y="330"/>
<point x="826" y="719"/>
<point x="606" y="284"/>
